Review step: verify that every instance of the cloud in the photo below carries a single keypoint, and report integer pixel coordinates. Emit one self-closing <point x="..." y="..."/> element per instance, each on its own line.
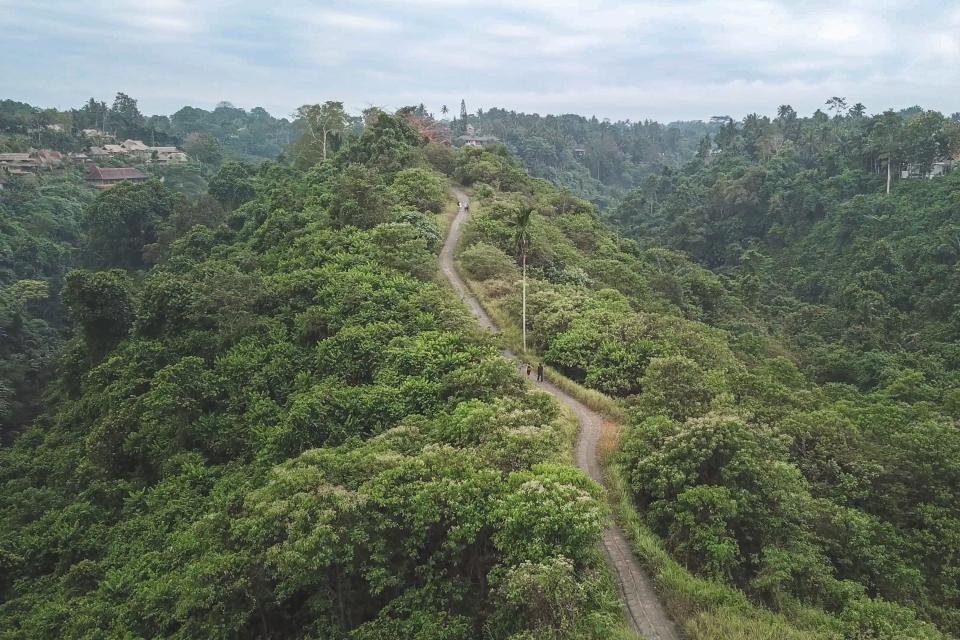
<point x="355" y="21"/>
<point x="614" y="58"/>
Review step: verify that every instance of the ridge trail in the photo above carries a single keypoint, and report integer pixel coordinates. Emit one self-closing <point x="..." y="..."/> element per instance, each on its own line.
<point x="645" y="614"/>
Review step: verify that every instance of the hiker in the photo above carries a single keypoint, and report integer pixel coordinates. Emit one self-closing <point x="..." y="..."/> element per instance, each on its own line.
<point x="540" y="372"/>
<point x="528" y="370"/>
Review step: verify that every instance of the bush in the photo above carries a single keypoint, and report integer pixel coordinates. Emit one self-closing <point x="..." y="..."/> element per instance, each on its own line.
<point x="422" y="189"/>
<point x="674" y="386"/>
<point x="484" y="261"/>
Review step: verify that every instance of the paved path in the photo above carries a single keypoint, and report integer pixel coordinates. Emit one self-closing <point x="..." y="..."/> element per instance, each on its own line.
<point x="645" y="613"/>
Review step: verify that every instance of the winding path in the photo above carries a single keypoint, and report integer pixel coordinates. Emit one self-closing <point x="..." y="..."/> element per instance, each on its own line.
<point x="645" y="613"/>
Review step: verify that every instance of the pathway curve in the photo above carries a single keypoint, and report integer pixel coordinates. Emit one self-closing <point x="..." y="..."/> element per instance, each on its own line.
<point x="645" y="613"/>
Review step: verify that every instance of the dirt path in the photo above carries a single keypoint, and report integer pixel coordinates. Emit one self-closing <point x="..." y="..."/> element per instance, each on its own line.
<point x="645" y="613"/>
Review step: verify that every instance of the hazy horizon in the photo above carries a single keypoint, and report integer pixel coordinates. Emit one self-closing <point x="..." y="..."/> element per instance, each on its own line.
<point x="613" y="59"/>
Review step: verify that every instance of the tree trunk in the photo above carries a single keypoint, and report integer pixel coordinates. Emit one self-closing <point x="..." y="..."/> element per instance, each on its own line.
<point x="524" y="301"/>
<point x="888" y="176"/>
<point x="324" y="145"/>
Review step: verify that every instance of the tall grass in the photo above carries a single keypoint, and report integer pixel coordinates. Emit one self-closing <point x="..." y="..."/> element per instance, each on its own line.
<point x="593" y="399"/>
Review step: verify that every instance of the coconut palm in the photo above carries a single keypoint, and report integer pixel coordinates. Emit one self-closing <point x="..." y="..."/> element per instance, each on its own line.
<point x="444" y="109"/>
<point x="521" y="240"/>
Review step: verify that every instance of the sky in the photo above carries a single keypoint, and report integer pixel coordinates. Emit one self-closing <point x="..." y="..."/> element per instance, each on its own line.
<point x="664" y="60"/>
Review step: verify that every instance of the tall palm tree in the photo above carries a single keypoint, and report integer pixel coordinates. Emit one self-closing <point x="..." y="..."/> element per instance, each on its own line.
<point x="444" y="109"/>
<point x="521" y="239"/>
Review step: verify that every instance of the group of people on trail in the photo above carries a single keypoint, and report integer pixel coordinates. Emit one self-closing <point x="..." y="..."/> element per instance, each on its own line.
<point x="539" y="372"/>
<point x="463" y="205"/>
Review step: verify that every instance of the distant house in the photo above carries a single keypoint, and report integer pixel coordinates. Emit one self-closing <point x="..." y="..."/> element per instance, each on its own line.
<point x="579" y="152"/>
<point x="50" y="159"/>
<point x="106" y="177"/>
<point x="97" y="152"/>
<point x="136" y="149"/>
<point x="911" y="170"/>
<point x="477" y="141"/>
<point x="134" y="145"/>
<point x="91" y="133"/>
<point x="167" y="155"/>
<point x="18" y="164"/>
<point x="115" y="149"/>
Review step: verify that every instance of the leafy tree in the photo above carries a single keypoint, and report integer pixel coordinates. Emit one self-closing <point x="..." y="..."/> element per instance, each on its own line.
<point x="123" y="220"/>
<point x="100" y="303"/>
<point x="675" y="386"/>
<point x="231" y="185"/>
<point x="322" y="121"/>
<point x="421" y="189"/>
<point x="124" y="116"/>
<point x="205" y="148"/>
<point x="359" y="198"/>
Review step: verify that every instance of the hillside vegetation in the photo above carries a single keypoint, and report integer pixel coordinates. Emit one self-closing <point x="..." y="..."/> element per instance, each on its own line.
<point x="269" y="416"/>
<point x="288" y="428"/>
<point x="40" y="234"/>
<point x="239" y="134"/>
<point x="861" y="286"/>
<point x="598" y="160"/>
<point x="833" y="504"/>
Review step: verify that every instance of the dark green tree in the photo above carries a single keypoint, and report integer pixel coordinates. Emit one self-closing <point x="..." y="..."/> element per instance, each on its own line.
<point x="100" y="304"/>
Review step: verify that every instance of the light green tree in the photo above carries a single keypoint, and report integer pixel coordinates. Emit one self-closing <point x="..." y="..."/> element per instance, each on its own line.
<point x="323" y="120"/>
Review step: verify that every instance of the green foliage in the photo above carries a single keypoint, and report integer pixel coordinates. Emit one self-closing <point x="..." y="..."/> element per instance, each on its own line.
<point x="123" y="221"/>
<point x="492" y="166"/>
<point x="286" y="428"/>
<point x="597" y="159"/>
<point x="484" y="262"/>
<point x="253" y="134"/>
<point x="388" y="144"/>
<point x="39" y="236"/>
<point x="421" y="189"/>
<point x="359" y="197"/>
<point x="204" y="147"/>
<point x="99" y="303"/>
<point x="231" y="184"/>
<point x="785" y="403"/>
<point x="674" y="386"/>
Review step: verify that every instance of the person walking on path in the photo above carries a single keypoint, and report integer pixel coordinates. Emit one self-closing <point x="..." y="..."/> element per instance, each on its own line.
<point x="540" y="372"/>
<point x="528" y="370"/>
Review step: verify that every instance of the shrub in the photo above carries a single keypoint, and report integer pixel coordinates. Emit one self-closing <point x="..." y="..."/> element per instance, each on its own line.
<point x="484" y="261"/>
<point x="421" y="189"/>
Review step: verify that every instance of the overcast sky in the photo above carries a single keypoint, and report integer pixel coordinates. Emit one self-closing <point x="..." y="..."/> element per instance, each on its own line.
<point x="664" y="59"/>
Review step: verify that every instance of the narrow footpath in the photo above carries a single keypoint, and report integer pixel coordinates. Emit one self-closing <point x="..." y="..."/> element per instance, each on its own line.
<point x="644" y="612"/>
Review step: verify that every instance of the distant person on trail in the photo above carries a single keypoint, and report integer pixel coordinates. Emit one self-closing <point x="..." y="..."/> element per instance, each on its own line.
<point x="540" y="372"/>
<point x="528" y="370"/>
